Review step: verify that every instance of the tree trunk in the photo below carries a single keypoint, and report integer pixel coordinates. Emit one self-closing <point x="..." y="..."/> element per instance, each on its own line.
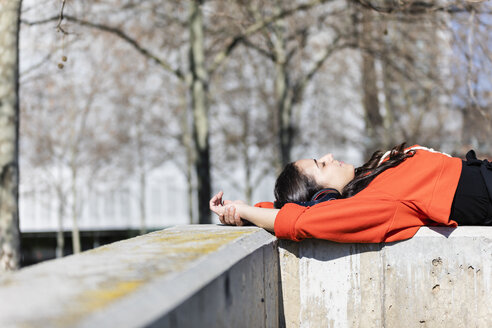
<point x="60" y="238"/>
<point x="189" y="159"/>
<point x="75" y="228"/>
<point x="189" y="166"/>
<point x="143" y="212"/>
<point x="142" y="175"/>
<point x="391" y="136"/>
<point x="283" y="96"/>
<point x="9" y="135"/>
<point x="189" y="191"/>
<point x="248" y="188"/>
<point x="199" y="104"/>
<point x="285" y="110"/>
<point x="374" y="120"/>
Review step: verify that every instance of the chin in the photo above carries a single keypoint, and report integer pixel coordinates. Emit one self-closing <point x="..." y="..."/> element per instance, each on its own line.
<point x="352" y="170"/>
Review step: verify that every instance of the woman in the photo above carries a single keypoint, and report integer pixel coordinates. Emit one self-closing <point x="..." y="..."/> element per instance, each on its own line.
<point x="387" y="199"/>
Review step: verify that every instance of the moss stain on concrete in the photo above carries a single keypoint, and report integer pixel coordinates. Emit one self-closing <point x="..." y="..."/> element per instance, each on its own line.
<point x="181" y="248"/>
<point x="97" y="299"/>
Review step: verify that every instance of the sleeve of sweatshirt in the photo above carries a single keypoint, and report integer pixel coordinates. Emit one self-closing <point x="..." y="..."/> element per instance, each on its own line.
<point x="344" y="220"/>
<point x="264" y="205"/>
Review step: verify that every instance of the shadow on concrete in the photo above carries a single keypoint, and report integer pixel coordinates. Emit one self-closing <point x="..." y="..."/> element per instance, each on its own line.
<point x="443" y="231"/>
<point x="280" y="294"/>
<point x="324" y="250"/>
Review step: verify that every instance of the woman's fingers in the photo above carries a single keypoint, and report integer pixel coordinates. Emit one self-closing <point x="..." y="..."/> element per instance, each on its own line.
<point x="237" y="219"/>
<point x="221" y="219"/>
<point x="229" y="216"/>
<point x="225" y="210"/>
<point x="225" y="216"/>
<point x="233" y="217"/>
<point x="216" y="200"/>
<point x="217" y="207"/>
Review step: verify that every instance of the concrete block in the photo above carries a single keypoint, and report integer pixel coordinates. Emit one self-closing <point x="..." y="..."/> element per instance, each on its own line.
<point x="238" y="298"/>
<point x="439" y="279"/>
<point x="290" y="301"/>
<point x="216" y="270"/>
<point x="217" y="276"/>
<point x="442" y="277"/>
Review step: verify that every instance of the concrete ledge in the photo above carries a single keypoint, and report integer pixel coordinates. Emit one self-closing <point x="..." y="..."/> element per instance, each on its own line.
<point x="145" y="280"/>
<point x="442" y="277"/>
<point x="216" y="276"/>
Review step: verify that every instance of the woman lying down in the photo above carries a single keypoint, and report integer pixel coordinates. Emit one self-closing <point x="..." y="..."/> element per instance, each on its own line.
<point x="387" y="199"/>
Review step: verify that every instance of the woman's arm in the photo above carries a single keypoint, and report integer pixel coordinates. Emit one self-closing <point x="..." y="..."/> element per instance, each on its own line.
<point x="234" y="212"/>
<point x="261" y="217"/>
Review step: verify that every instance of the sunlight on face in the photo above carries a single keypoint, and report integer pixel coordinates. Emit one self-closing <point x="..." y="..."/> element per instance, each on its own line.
<point x="327" y="172"/>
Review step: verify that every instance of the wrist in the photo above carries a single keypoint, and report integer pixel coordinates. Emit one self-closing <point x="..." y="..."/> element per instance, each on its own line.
<point x="241" y="209"/>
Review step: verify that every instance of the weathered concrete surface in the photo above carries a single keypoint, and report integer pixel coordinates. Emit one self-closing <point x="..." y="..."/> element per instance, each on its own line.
<point x="442" y="277"/>
<point x="206" y="275"/>
<point x="215" y="276"/>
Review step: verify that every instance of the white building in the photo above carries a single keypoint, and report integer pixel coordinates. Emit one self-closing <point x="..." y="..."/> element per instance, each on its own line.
<point x="115" y="208"/>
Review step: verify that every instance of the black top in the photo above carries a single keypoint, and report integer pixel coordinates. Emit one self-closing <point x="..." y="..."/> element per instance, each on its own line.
<point x="472" y="203"/>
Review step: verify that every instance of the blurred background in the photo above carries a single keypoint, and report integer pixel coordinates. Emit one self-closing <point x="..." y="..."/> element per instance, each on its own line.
<point x="134" y="112"/>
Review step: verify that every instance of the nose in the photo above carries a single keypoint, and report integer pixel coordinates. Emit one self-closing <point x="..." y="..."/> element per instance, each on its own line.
<point x="327" y="158"/>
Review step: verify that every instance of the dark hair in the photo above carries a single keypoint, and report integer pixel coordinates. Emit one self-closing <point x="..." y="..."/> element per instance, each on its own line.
<point x="292" y="185"/>
<point x="370" y="170"/>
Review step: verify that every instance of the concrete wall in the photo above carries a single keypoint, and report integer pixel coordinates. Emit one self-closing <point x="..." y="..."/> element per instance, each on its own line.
<point x="191" y="276"/>
<point x="439" y="278"/>
<point x="215" y="276"/>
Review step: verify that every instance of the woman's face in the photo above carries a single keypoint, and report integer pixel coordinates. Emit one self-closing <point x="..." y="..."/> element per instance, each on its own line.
<point x="327" y="172"/>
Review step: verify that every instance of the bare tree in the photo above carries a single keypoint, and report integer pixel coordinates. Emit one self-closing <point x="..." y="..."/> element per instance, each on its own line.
<point x="143" y="139"/>
<point x="66" y="134"/>
<point x="9" y="142"/>
<point x="410" y="62"/>
<point x="472" y="66"/>
<point x="243" y="152"/>
<point x="202" y="63"/>
<point x="298" y="49"/>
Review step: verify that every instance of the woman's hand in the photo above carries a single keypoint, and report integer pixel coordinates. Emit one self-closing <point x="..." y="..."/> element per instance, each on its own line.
<point x="238" y="213"/>
<point x="227" y="210"/>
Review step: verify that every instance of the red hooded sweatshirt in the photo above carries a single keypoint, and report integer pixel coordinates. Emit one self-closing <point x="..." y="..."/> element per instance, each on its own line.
<point x="417" y="192"/>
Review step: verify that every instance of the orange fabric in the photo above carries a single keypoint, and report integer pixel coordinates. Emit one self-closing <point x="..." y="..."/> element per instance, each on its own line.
<point x="393" y="207"/>
<point x="264" y="204"/>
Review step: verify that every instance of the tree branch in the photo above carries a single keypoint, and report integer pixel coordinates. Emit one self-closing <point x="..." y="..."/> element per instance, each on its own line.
<point x="258" y="26"/>
<point x="419" y="7"/>
<point x="301" y="84"/>
<point x="120" y="34"/>
<point x="60" y="18"/>
<point x="260" y="50"/>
